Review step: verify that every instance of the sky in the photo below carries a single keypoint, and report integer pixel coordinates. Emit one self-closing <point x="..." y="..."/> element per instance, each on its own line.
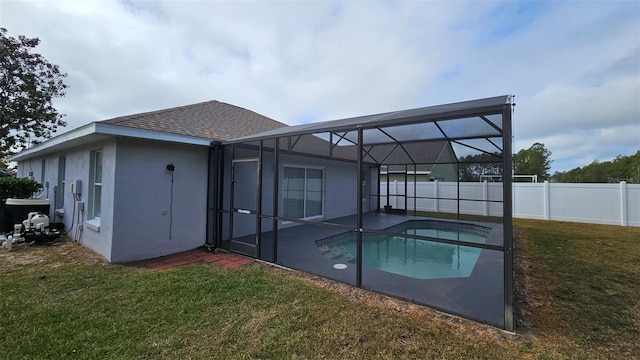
<point x="573" y="66"/>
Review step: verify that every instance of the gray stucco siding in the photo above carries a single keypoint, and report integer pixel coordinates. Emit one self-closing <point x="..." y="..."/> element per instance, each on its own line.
<point x="98" y="239"/>
<point x="34" y="167"/>
<point x="339" y="191"/>
<point x="77" y="167"/>
<point x="150" y="218"/>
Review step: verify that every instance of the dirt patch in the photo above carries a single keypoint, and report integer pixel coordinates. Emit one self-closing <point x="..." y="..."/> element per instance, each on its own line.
<point x="64" y="251"/>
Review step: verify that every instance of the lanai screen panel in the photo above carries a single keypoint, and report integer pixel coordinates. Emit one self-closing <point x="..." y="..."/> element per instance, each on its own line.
<point x="327" y="197"/>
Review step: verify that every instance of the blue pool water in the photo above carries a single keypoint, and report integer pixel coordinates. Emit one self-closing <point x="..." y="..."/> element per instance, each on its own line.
<point x="418" y="259"/>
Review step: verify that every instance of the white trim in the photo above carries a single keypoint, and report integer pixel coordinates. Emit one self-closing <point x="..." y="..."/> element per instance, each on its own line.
<point x="93" y="184"/>
<point x="23" y="202"/>
<point x="101" y="129"/>
<point x="109" y="129"/>
<point x="233" y="161"/>
<point x="93" y="224"/>
<point x="80" y="132"/>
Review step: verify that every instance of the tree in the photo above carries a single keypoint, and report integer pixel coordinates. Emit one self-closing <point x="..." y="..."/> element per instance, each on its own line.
<point x="621" y="168"/>
<point x="473" y="166"/>
<point x="21" y="188"/>
<point x="28" y="84"/>
<point x="533" y="161"/>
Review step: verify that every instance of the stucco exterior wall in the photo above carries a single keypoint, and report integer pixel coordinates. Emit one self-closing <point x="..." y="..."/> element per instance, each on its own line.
<point x="98" y="239"/>
<point x="136" y="209"/>
<point x="340" y="191"/>
<point x="77" y="167"/>
<point x="150" y="220"/>
<point x="33" y="168"/>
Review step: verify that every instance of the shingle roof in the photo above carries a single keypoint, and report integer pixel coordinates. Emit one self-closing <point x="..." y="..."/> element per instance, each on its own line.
<point x="211" y="119"/>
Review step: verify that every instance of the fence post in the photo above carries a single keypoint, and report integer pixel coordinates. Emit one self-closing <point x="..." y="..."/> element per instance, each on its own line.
<point x="485" y="197"/>
<point x="547" y="201"/>
<point x="436" y="195"/>
<point x="623" y="203"/>
<point x="395" y="194"/>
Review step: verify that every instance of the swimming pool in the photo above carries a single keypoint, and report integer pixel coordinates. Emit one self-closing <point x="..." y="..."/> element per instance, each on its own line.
<point x="420" y="259"/>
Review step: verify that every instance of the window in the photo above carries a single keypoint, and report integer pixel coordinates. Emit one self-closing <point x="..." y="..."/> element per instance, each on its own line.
<point x="44" y="167"/>
<point x="62" y="184"/>
<point x="96" y="183"/>
<point x="303" y="192"/>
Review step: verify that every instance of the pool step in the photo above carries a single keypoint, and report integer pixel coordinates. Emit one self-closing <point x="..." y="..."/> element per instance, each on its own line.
<point x="324" y="249"/>
<point x="339" y="252"/>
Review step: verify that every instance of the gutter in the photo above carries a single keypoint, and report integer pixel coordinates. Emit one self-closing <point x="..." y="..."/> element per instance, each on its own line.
<point x="96" y="131"/>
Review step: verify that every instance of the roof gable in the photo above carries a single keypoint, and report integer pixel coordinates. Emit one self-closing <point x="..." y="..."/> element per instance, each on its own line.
<point x="211" y="119"/>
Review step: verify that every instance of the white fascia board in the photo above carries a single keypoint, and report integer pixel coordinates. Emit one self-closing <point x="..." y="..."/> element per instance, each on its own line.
<point x="105" y="130"/>
<point x="57" y="140"/>
<point x="115" y="130"/>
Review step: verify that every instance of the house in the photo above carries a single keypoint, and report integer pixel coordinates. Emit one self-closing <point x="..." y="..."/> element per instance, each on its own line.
<point x="438" y="165"/>
<point x="110" y="185"/>
<point x="146" y="185"/>
<point x="109" y="182"/>
<point x="161" y="182"/>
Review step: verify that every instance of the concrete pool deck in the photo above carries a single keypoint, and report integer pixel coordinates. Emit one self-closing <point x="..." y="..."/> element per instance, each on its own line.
<point x="479" y="296"/>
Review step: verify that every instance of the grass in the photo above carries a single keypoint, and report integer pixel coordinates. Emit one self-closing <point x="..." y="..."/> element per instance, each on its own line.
<point x="580" y="302"/>
<point x="589" y="278"/>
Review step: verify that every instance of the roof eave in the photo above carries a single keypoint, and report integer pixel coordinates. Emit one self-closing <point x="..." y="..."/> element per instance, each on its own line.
<point x="116" y="130"/>
<point x="54" y="142"/>
<point x="96" y="131"/>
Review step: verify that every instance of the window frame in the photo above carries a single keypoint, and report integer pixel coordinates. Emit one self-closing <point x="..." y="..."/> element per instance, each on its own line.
<point x="283" y="190"/>
<point x="43" y="170"/>
<point x="62" y="181"/>
<point x="95" y="179"/>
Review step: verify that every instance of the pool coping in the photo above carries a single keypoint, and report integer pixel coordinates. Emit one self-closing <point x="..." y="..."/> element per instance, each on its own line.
<point x="400" y="227"/>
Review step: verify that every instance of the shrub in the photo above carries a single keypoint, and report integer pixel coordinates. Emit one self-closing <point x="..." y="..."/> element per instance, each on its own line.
<point x="20" y="188"/>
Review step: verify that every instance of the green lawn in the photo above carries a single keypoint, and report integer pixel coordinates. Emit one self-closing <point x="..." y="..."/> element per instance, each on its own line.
<point x="581" y="301"/>
<point x="587" y="281"/>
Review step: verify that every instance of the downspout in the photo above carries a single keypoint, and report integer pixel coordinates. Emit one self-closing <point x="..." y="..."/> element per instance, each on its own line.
<point x="214" y="192"/>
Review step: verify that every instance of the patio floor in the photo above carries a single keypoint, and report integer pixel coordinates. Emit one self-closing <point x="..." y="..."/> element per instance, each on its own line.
<point x="199" y="255"/>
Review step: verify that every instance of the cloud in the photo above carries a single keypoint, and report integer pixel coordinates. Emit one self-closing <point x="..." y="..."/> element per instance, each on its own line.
<point x="582" y="147"/>
<point x="574" y="66"/>
<point x="568" y="108"/>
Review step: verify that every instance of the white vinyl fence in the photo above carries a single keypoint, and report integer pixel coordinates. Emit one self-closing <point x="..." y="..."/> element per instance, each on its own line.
<point x="614" y="204"/>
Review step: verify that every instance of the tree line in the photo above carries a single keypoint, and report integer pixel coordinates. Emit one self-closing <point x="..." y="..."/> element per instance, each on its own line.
<point x="622" y="168"/>
<point x="536" y="160"/>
